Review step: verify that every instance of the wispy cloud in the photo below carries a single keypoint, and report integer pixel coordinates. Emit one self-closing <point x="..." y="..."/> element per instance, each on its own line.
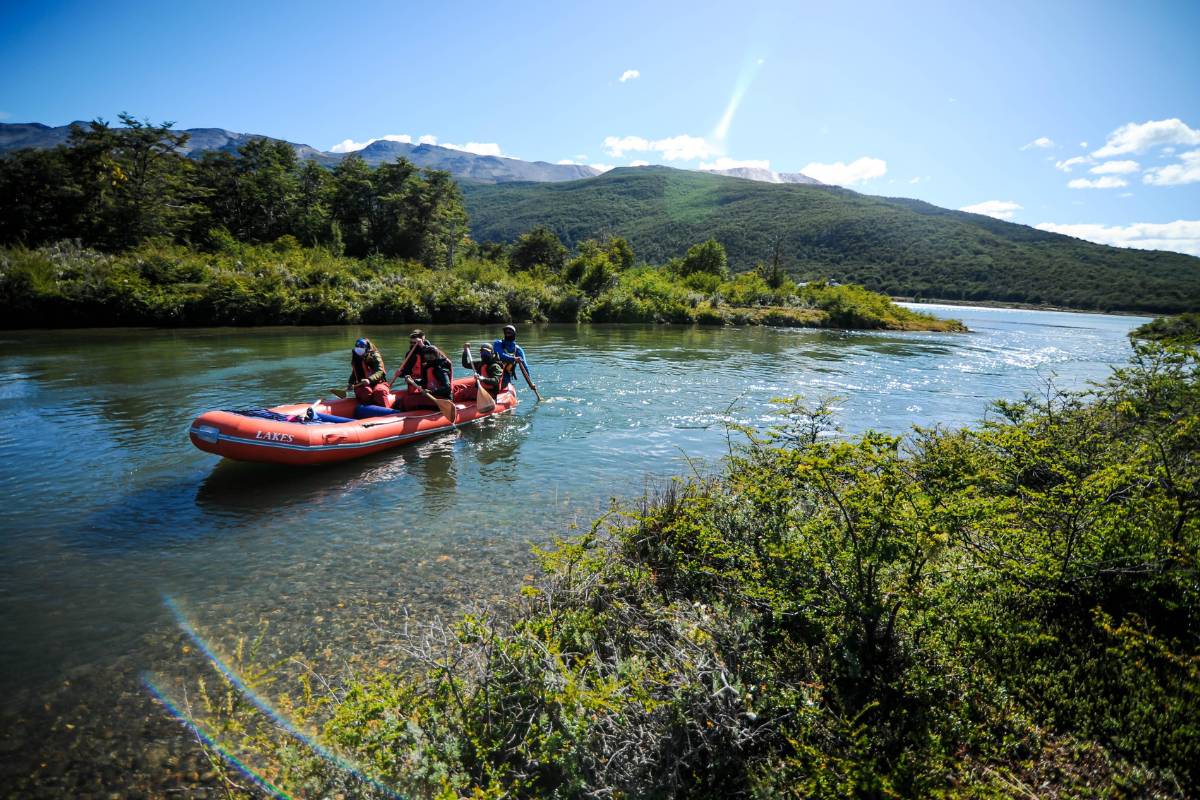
<point x="1074" y="161"/>
<point x="566" y="161"/>
<point x="1000" y="209"/>
<point x="1115" y="168"/>
<point x="601" y="167"/>
<point x="840" y="174"/>
<point x="1181" y="236"/>
<point x="733" y="163"/>
<point x="673" y="148"/>
<point x="1106" y="182"/>
<point x="1186" y="171"/>
<point x="349" y="145"/>
<point x="428" y="138"/>
<point x="5" y="115"/>
<point x="639" y="163"/>
<point x="1040" y="143"/>
<point x="1138" y="138"/>
<point x="629" y="75"/>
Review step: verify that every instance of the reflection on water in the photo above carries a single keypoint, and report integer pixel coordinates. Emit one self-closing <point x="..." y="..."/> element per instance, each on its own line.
<point x="109" y="507"/>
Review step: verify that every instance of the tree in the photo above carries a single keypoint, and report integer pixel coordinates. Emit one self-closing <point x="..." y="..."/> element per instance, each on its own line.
<point x="707" y="257"/>
<point x="538" y="247"/>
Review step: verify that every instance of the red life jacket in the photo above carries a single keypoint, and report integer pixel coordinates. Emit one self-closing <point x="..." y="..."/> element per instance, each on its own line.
<point x="358" y="366"/>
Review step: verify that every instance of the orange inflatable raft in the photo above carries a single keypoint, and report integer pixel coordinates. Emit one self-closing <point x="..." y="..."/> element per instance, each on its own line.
<point x="331" y="432"/>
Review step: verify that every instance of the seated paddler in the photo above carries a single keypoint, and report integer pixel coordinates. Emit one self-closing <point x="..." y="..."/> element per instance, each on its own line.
<point x="368" y="376"/>
<point x="487" y="367"/>
<point x="427" y="369"/>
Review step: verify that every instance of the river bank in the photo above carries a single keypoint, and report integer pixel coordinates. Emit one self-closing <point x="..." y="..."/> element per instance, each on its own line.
<point x="165" y="285"/>
<point x="334" y="561"/>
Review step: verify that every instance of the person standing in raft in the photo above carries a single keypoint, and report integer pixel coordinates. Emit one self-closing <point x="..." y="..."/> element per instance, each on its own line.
<point x="427" y="369"/>
<point x="368" y="376"/>
<point x="491" y="371"/>
<point x="511" y="356"/>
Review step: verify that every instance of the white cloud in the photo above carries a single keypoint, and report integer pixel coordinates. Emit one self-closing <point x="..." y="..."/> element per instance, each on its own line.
<point x="349" y="145"/>
<point x="1181" y="236"/>
<point x="672" y="148"/>
<point x="733" y="163"/>
<point x="1106" y="182"/>
<point x="1135" y="138"/>
<point x="1000" y="209"/>
<point x="1186" y="171"/>
<point x="1042" y="143"/>
<point x="1115" y="168"/>
<point x="618" y="146"/>
<point x="1066" y="165"/>
<point x="639" y="163"/>
<point x="566" y="161"/>
<point x="428" y="138"/>
<point x="629" y="74"/>
<point x="478" y="148"/>
<point x="839" y="174"/>
<point x="581" y="157"/>
<point x="601" y="167"/>
<point x="1083" y="145"/>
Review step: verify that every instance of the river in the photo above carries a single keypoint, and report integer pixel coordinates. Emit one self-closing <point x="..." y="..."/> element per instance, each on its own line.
<point x="108" y="509"/>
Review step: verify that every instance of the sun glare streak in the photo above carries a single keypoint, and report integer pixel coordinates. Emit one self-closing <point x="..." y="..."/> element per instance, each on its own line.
<point x="265" y="706"/>
<point x="209" y="741"/>
<point x="749" y="70"/>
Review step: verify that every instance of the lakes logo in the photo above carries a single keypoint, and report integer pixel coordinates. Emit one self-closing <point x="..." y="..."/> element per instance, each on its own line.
<point x="272" y="436"/>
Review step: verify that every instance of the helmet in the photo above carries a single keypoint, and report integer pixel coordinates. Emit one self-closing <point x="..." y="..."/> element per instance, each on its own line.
<point x="510" y="331"/>
<point x="364" y="342"/>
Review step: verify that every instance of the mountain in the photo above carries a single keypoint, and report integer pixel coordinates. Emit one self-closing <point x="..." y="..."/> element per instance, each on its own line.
<point x="894" y="245"/>
<point x="765" y="175"/>
<point x="472" y="167"/>
<point x="459" y="163"/>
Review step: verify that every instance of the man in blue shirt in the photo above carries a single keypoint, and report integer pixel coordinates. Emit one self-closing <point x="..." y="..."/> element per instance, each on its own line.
<point x="511" y="355"/>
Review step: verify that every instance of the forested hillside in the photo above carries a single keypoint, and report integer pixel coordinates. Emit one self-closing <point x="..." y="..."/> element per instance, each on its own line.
<point x="897" y="246"/>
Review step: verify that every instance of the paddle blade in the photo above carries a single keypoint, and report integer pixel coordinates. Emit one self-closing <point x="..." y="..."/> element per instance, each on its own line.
<point x="341" y="393"/>
<point x="448" y="409"/>
<point x="484" y="402"/>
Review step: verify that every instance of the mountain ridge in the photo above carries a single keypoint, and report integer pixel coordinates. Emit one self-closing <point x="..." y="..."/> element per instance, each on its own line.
<point x="460" y="163"/>
<point x="899" y="246"/>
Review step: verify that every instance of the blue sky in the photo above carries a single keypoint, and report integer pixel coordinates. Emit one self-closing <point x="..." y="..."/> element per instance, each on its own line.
<point x="1082" y="116"/>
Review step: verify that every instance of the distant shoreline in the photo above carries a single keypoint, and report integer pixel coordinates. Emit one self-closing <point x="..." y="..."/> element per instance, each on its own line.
<point x="1000" y="304"/>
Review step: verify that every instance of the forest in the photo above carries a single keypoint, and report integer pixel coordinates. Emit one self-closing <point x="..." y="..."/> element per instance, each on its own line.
<point x="118" y="228"/>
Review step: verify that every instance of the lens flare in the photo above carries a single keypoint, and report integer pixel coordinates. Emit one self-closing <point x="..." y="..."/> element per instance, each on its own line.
<point x="749" y="70"/>
<point x="211" y="742"/>
<point x="266" y="708"/>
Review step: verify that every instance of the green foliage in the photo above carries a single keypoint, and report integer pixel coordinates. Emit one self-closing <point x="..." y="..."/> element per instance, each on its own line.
<point x="538" y="248"/>
<point x="117" y="188"/>
<point x="894" y="246"/>
<point x="706" y="258"/>
<point x="237" y="283"/>
<point x="1004" y="611"/>
<point x="1183" y="329"/>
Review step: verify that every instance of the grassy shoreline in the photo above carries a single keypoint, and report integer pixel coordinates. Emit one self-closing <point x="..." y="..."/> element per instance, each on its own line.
<point x="167" y="285"/>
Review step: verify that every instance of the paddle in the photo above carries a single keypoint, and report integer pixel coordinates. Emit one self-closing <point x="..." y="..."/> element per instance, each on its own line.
<point x="484" y="403"/>
<point x="338" y="393"/>
<point x="532" y="385"/>
<point x="447" y="407"/>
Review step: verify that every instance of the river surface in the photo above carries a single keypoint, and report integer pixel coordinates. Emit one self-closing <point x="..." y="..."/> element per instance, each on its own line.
<point x="107" y="508"/>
